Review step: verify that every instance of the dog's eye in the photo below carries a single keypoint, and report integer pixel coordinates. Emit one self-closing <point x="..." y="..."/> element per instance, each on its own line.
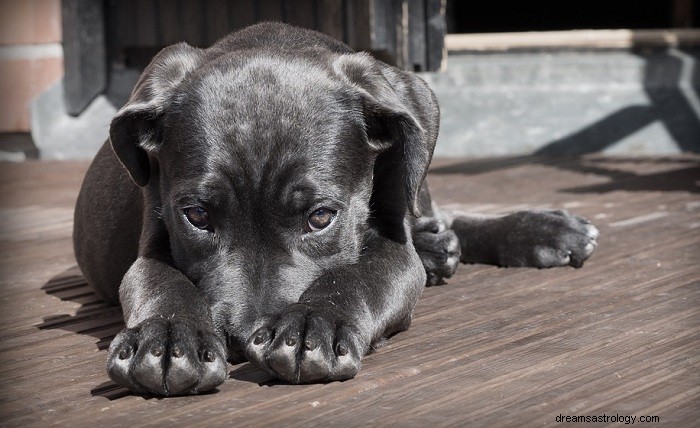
<point x="320" y="219"/>
<point x="198" y="216"/>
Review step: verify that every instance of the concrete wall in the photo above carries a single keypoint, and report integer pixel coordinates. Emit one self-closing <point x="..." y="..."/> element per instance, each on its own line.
<point x="569" y="102"/>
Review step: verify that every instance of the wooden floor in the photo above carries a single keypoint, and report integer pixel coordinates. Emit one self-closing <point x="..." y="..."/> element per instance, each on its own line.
<point x="493" y="347"/>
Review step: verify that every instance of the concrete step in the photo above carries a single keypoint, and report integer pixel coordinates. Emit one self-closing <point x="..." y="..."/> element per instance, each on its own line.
<point x="569" y="102"/>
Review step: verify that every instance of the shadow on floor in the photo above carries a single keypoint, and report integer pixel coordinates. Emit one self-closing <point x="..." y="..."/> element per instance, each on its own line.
<point x="670" y="83"/>
<point x="685" y="177"/>
<point x="93" y="318"/>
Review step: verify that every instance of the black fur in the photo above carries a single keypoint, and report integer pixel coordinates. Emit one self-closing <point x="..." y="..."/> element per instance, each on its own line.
<point x="258" y="132"/>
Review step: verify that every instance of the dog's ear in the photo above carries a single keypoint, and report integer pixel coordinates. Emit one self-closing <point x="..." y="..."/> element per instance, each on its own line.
<point x="137" y="129"/>
<point x="401" y="121"/>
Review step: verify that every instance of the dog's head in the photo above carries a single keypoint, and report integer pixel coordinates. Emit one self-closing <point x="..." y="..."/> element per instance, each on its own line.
<point x="264" y="169"/>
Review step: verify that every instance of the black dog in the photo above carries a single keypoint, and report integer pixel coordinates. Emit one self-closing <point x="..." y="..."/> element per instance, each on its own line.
<point x="259" y="200"/>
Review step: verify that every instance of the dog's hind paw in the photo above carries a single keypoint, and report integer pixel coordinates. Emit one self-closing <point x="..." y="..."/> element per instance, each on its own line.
<point x="167" y="357"/>
<point x="438" y="249"/>
<point x="545" y="239"/>
<point x="306" y="344"/>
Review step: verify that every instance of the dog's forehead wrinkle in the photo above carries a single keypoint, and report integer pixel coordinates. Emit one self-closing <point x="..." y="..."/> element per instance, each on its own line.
<point x="254" y="90"/>
<point x="293" y="188"/>
<point x="273" y="169"/>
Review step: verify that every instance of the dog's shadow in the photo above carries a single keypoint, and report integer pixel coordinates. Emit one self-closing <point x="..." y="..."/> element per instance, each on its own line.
<point x="94" y="317"/>
<point x="102" y="321"/>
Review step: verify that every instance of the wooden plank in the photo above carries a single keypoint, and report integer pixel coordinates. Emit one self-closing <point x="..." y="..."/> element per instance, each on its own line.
<point x="383" y="26"/>
<point x="168" y="22"/>
<point x="241" y="13"/>
<point x="120" y="14"/>
<point x="401" y="27"/>
<point x="358" y="24"/>
<point x="436" y="31"/>
<point x="217" y="20"/>
<point x="269" y="10"/>
<point x="145" y="16"/>
<point x="301" y="13"/>
<point x="330" y="20"/>
<point x="417" y="53"/>
<point x="192" y="22"/>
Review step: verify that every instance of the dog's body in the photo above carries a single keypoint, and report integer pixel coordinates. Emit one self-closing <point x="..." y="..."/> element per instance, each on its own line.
<point x="259" y="201"/>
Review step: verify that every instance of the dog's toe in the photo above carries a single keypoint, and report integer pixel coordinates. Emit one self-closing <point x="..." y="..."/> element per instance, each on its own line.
<point x="305" y="345"/>
<point x="438" y="249"/>
<point x="547" y="239"/>
<point x="167" y="358"/>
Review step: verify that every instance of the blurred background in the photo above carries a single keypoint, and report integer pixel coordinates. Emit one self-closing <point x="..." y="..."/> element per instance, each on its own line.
<point x="513" y="78"/>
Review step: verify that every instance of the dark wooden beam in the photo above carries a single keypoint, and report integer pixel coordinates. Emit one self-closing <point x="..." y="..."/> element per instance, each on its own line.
<point x="358" y="24"/>
<point x="436" y="28"/>
<point x="329" y="18"/>
<point x="417" y="49"/>
<point x="84" y="55"/>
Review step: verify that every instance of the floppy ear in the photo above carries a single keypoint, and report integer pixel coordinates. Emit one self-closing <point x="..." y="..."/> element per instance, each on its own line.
<point x="136" y="130"/>
<point x="401" y="117"/>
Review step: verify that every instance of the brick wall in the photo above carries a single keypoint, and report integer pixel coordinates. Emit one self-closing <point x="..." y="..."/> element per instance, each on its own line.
<point x="31" y="57"/>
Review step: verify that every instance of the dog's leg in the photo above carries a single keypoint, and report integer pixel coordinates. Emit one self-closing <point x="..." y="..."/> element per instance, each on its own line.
<point x="541" y="239"/>
<point x="107" y="225"/>
<point x="324" y="336"/>
<point x="437" y="246"/>
<point x="169" y="346"/>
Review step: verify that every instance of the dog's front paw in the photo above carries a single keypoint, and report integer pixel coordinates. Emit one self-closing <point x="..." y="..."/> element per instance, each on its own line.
<point x="547" y="239"/>
<point x="167" y="357"/>
<point x="437" y="247"/>
<point x="306" y="344"/>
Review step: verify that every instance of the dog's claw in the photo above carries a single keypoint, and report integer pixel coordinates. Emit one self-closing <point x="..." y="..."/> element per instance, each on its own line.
<point x="342" y="349"/>
<point x="157" y="351"/>
<point x="209" y="356"/>
<point x="177" y="352"/>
